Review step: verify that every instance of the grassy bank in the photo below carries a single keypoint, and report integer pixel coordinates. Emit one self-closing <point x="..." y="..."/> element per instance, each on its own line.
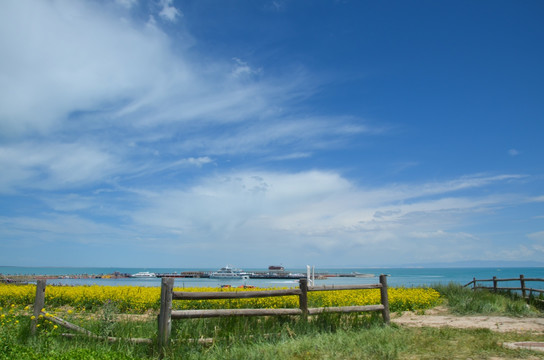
<point x="328" y="336"/>
<point x="370" y="342"/>
<point x="465" y="301"/>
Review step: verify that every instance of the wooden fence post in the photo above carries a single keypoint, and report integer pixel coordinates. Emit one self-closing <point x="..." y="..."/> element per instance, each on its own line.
<point x="384" y="298"/>
<point x="522" y="281"/>
<point x="39" y="304"/>
<point x="473" y="283"/>
<point x="303" y="297"/>
<point x="494" y="284"/>
<point x="165" y="315"/>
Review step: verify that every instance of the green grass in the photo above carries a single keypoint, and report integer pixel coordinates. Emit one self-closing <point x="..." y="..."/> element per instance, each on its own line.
<point x="465" y="301"/>
<point x="373" y="341"/>
<point x="328" y="336"/>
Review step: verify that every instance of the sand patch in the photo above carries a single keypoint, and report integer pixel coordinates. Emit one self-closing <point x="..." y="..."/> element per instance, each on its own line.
<point x="439" y="317"/>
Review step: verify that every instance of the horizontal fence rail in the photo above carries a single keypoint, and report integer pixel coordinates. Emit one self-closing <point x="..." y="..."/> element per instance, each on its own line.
<point x="522" y="280"/>
<point x="39" y="304"/>
<point x="166" y="313"/>
<point x="214" y="295"/>
<point x="168" y="295"/>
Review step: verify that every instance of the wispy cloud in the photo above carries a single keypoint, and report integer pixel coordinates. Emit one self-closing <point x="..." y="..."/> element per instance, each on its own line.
<point x="117" y="124"/>
<point x="318" y="208"/>
<point x="537" y="236"/>
<point x="169" y="12"/>
<point x="44" y="165"/>
<point x="127" y="3"/>
<point x="108" y="90"/>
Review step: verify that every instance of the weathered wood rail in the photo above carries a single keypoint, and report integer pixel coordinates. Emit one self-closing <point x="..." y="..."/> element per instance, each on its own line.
<point x="39" y="304"/>
<point x="168" y="295"/>
<point x="522" y="280"/>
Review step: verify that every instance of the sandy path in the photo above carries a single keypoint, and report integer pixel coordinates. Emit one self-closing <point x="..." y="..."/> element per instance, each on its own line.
<point x="439" y="317"/>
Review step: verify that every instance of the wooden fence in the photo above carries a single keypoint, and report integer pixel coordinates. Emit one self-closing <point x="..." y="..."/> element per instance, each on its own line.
<point x="167" y="295"/>
<point x="39" y="304"/>
<point x="522" y="280"/>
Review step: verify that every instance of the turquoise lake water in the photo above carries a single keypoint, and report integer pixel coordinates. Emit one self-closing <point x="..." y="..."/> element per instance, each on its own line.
<point x="408" y="277"/>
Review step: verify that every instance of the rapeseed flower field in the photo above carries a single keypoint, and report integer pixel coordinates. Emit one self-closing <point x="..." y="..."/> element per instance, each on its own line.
<point x="133" y="299"/>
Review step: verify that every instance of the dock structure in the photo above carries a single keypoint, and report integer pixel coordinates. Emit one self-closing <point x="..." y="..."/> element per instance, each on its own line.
<point x="252" y="275"/>
<point x="186" y="274"/>
<point x="276" y="275"/>
<point x="273" y="273"/>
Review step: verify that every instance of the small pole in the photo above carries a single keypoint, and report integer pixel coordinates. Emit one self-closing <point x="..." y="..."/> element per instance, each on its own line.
<point x="522" y="281"/>
<point x="494" y="284"/>
<point x="473" y="283"/>
<point x="165" y="315"/>
<point x="303" y="297"/>
<point x="384" y="299"/>
<point x="39" y="304"/>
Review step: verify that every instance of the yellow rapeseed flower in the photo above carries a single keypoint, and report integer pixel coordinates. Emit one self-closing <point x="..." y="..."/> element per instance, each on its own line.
<point x="141" y="299"/>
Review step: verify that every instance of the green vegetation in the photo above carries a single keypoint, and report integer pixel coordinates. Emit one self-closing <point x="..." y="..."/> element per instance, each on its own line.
<point x="328" y="336"/>
<point x="465" y="301"/>
<point x="295" y="341"/>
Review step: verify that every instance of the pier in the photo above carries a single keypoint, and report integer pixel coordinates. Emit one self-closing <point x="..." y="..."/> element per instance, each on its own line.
<point x="279" y="274"/>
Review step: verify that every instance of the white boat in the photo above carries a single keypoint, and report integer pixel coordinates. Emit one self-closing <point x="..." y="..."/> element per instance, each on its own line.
<point x="143" y="274"/>
<point x="229" y="272"/>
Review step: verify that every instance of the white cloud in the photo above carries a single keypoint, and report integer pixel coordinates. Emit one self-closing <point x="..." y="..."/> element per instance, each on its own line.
<point x="291" y="156"/>
<point x="514" y="152"/>
<point x="95" y="97"/>
<point x="316" y="208"/>
<point x="243" y="70"/>
<point x="276" y="135"/>
<point x="98" y="74"/>
<point x="437" y="234"/>
<point x="52" y="228"/>
<point x="515" y="253"/>
<point x="54" y="166"/>
<point x="198" y="161"/>
<point x="86" y="59"/>
<point x="127" y="3"/>
<point x="539" y="236"/>
<point x="169" y="12"/>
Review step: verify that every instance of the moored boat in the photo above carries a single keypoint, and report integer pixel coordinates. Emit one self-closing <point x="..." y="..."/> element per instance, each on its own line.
<point x="228" y="272"/>
<point x="143" y="274"/>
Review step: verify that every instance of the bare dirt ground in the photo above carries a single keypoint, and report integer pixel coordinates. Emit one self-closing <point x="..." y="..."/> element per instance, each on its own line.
<point x="440" y="316"/>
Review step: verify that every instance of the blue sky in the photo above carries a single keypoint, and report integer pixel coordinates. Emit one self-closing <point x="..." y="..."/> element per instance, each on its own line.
<point x="333" y="133"/>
